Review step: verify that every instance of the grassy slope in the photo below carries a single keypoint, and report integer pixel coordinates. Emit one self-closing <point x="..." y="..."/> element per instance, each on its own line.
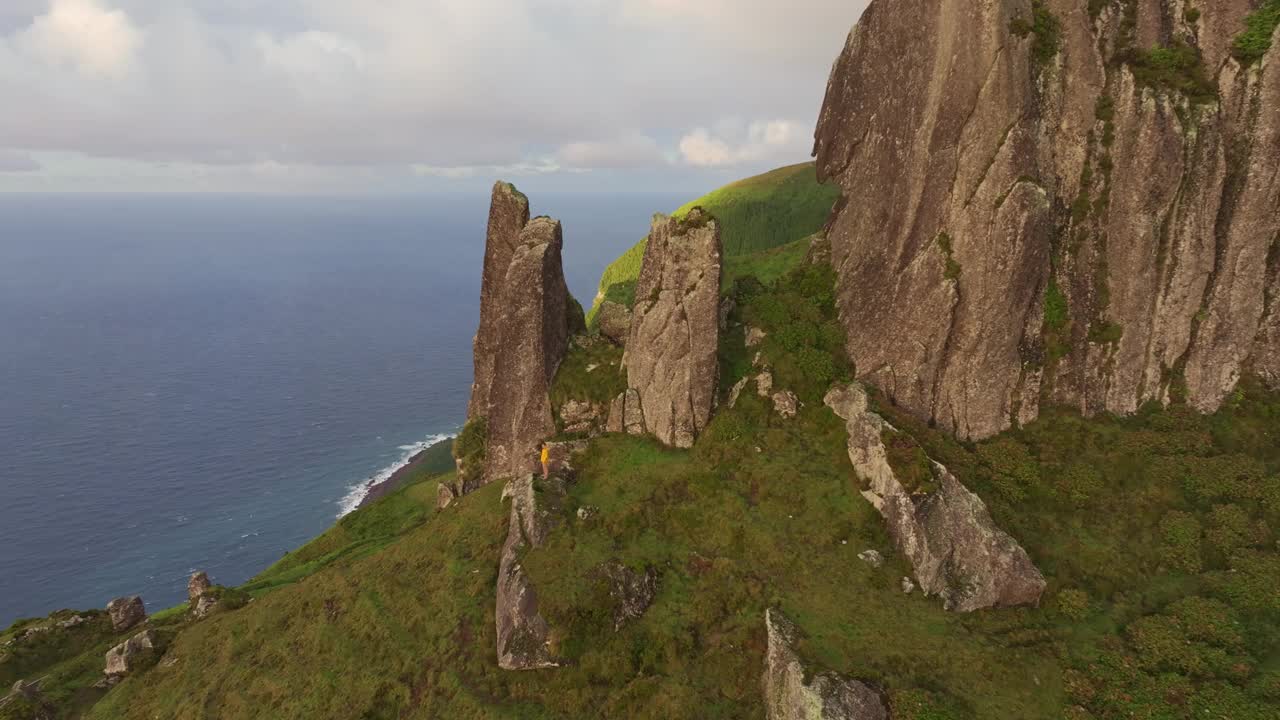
<point x="1154" y="532"/>
<point x="758" y="213"/>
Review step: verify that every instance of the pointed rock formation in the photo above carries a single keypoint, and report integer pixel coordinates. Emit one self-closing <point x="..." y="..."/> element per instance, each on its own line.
<point x="524" y="637"/>
<point x="1027" y="218"/>
<point x="827" y="696"/>
<point x="526" y="319"/>
<point x="671" y="358"/>
<point x="956" y="549"/>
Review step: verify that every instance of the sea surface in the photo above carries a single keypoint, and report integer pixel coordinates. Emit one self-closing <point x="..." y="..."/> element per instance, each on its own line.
<point x="205" y="382"/>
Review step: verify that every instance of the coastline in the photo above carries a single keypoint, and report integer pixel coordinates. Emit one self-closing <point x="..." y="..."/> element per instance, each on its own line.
<point x="433" y="455"/>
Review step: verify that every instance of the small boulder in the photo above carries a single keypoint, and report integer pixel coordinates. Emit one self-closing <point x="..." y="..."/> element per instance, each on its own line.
<point x="446" y="493"/>
<point x="73" y="621"/>
<point x="786" y="404"/>
<point x="126" y="612"/>
<point x="908" y="587"/>
<point x="205" y="605"/>
<point x="827" y="696"/>
<point x="764" y="384"/>
<point x="632" y="592"/>
<point x="125" y="657"/>
<point x="580" y="417"/>
<point x="614" y="321"/>
<point x="587" y="512"/>
<point x="871" y="557"/>
<point x="198" y="585"/>
<point x="754" y="336"/>
<point x="736" y="392"/>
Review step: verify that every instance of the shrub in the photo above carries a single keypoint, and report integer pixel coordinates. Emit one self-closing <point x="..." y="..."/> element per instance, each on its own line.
<point x="1251" y="45"/>
<point x="1073" y="604"/>
<point x="1181" y="534"/>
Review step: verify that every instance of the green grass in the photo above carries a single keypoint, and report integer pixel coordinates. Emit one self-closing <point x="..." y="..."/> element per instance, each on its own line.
<point x="1251" y="45"/>
<point x="1046" y="29"/>
<point x="599" y="385"/>
<point x="755" y="214"/>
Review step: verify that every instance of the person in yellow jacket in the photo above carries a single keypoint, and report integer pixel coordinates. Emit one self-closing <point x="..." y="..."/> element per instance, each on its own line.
<point x="546" y="457"/>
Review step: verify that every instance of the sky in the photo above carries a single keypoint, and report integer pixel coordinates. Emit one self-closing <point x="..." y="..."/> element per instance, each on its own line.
<point x="369" y="96"/>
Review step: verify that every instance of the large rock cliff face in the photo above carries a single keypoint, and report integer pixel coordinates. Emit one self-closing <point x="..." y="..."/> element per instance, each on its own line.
<point x="1060" y="201"/>
<point x="671" y="360"/>
<point x="526" y="319"/>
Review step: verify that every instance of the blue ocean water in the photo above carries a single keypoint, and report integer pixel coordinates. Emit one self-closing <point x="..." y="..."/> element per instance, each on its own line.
<point x="197" y="382"/>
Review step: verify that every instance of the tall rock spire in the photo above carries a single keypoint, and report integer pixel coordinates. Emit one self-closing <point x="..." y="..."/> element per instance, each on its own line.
<point x="526" y="319"/>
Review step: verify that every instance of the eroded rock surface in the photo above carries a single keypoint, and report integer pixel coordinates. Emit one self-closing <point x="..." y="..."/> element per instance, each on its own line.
<point x="983" y="185"/>
<point x="198" y="585"/>
<point x="126" y="612"/>
<point x="614" y="321"/>
<point x="526" y="320"/>
<point x="632" y="591"/>
<point x="124" y="658"/>
<point x="828" y="696"/>
<point x="581" y="417"/>
<point x="524" y="637"/>
<point x="671" y="358"/>
<point x="954" y="546"/>
<point x="625" y="414"/>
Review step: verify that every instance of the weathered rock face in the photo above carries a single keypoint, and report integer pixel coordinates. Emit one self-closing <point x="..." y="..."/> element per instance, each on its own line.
<point x="524" y="637"/>
<point x="827" y="696"/>
<point x="955" y="548"/>
<point x="526" y="319"/>
<point x="126" y="612"/>
<point x="581" y="417"/>
<point x="614" y="321"/>
<point x="508" y="216"/>
<point x="632" y="592"/>
<point x="983" y="185"/>
<point x="625" y="414"/>
<point x="124" y="658"/>
<point x="671" y="355"/>
<point x="198" y="585"/>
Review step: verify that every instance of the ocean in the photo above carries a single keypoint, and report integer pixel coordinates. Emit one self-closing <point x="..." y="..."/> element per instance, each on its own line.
<point x="205" y="382"/>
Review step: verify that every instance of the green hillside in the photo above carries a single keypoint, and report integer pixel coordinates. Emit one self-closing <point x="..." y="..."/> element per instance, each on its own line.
<point x="758" y="213"/>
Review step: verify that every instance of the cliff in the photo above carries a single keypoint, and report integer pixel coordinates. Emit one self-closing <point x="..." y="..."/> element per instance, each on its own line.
<point x="1057" y="201"/>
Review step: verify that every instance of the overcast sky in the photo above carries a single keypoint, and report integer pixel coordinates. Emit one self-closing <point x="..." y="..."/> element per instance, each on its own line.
<point x="404" y="95"/>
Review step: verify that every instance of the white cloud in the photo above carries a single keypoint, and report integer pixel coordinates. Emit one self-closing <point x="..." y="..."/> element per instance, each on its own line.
<point x="98" y="41"/>
<point x="732" y="144"/>
<point x="629" y="151"/>
<point x="460" y="87"/>
<point x="17" y="162"/>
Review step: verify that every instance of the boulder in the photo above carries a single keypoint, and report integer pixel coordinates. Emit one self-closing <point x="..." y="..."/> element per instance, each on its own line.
<point x="871" y="557"/>
<point x="446" y="493"/>
<point x="632" y="592"/>
<point x="962" y="170"/>
<point x="580" y="417"/>
<point x="126" y="612"/>
<point x="125" y="657"/>
<point x="198" y="585"/>
<point x="671" y="358"/>
<point x="614" y="321"/>
<point x="754" y="336"/>
<point x="954" y="546"/>
<point x="526" y="320"/>
<point x="827" y="696"/>
<point x="205" y="605"/>
<point x="786" y="404"/>
<point x="764" y="384"/>
<point x="524" y="637"/>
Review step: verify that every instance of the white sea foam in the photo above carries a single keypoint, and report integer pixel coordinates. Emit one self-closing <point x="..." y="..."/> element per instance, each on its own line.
<point x="357" y="493"/>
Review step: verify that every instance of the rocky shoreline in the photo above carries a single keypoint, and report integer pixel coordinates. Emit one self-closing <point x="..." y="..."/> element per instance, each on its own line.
<point x="434" y="458"/>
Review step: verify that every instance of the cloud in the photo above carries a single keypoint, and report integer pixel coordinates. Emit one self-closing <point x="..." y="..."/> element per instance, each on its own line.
<point x="629" y="151"/>
<point x="328" y="87"/>
<point x="17" y="162"/>
<point x="98" y="41"/>
<point x="781" y="140"/>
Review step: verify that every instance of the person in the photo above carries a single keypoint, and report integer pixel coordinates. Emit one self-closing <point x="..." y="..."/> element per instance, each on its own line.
<point x="546" y="457"/>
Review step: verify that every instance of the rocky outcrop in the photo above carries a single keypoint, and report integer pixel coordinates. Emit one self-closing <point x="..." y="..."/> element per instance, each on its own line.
<point x="524" y="637"/>
<point x="126" y="612"/>
<point x="198" y="585"/>
<point x="128" y="655"/>
<point x="671" y="358"/>
<point x="581" y="417"/>
<point x="827" y="696"/>
<point x="526" y="320"/>
<point x="955" y="548"/>
<point x="625" y="414"/>
<point x="1030" y="215"/>
<point x="632" y="591"/>
<point x="614" y="321"/>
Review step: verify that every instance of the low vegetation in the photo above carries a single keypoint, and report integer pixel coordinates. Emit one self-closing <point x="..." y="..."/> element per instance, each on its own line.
<point x="759" y="213"/>
<point x="1178" y="67"/>
<point x="1260" y="26"/>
